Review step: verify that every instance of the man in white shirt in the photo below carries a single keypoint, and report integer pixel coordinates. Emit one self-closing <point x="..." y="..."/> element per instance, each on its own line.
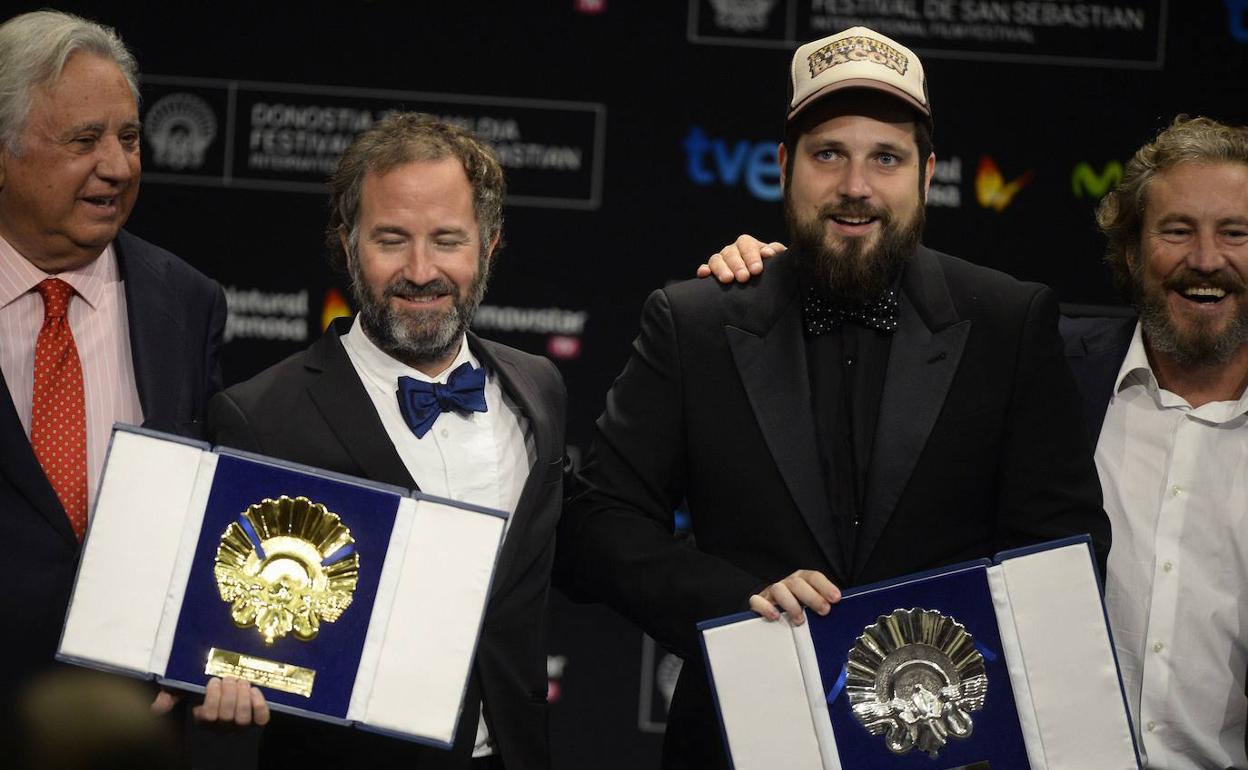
<point x="403" y="393"/>
<point x="1165" y="400"/>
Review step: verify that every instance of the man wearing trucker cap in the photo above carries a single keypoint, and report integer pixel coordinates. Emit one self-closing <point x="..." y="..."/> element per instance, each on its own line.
<point x="865" y="409"/>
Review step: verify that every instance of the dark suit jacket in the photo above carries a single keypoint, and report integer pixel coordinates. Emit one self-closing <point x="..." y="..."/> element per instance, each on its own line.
<point x="978" y="448"/>
<point x="176" y="317"/>
<point x="313" y="409"/>
<point x="1095" y="349"/>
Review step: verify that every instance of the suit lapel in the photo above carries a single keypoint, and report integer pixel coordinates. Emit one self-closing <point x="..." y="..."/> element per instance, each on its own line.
<point x="1095" y="356"/>
<point x="345" y="406"/>
<point x="155" y="322"/>
<point x="922" y="361"/>
<point x="525" y="393"/>
<point x="20" y="467"/>
<point x="770" y="355"/>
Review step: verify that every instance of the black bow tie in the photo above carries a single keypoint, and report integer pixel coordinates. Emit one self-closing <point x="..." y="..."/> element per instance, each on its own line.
<point x="820" y="316"/>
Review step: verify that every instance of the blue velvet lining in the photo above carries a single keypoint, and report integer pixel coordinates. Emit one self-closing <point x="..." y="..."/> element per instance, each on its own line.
<point x="334" y="654"/>
<point x="963" y="595"/>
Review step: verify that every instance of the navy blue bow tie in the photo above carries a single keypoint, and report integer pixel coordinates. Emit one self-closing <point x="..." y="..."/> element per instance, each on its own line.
<point x="423" y="402"/>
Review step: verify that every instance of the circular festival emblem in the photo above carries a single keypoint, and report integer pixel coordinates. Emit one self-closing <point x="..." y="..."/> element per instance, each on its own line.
<point x="284" y="566"/>
<point x="914" y="677"/>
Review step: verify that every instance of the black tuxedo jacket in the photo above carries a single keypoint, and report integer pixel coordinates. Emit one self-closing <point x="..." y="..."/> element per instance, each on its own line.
<point x="313" y="409"/>
<point x="978" y="448"/>
<point x="176" y="317"/>
<point x="1096" y="348"/>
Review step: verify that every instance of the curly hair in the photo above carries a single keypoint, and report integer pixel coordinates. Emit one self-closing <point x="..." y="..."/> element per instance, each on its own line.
<point x="1121" y="212"/>
<point x="404" y="137"/>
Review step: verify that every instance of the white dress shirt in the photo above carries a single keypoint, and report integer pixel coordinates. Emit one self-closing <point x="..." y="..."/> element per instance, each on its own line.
<point x="479" y="457"/>
<point x="97" y="318"/>
<point x="1176" y="490"/>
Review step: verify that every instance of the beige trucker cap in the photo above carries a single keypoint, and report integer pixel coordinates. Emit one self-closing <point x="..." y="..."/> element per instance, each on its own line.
<point x="856" y="58"/>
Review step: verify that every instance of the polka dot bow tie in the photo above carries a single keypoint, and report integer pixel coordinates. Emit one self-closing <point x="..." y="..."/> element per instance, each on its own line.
<point x="820" y="316"/>
<point x="422" y="403"/>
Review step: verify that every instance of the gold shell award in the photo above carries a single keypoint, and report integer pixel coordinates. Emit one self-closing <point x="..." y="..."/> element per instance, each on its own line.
<point x="283" y="567"/>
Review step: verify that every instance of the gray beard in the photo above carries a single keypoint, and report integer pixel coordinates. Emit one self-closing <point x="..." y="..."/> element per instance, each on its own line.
<point x="1199" y="349"/>
<point x="419" y="337"/>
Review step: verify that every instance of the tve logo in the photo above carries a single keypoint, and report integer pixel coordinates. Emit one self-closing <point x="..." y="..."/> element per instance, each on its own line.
<point x="1238" y="11"/>
<point x="722" y="161"/>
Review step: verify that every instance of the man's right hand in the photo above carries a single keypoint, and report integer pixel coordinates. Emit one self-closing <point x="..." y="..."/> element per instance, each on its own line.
<point x="740" y="261"/>
<point x="805" y="587"/>
<point x="226" y="701"/>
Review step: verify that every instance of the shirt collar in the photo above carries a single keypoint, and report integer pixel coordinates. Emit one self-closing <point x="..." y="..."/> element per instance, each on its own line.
<point x="386" y="370"/>
<point x="91" y="281"/>
<point x="1136" y="370"/>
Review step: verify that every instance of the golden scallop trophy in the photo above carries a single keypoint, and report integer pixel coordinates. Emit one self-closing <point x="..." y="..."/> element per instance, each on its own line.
<point x="284" y="567"/>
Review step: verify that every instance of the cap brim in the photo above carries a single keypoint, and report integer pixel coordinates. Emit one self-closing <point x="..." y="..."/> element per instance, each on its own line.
<point x="875" y="85"/>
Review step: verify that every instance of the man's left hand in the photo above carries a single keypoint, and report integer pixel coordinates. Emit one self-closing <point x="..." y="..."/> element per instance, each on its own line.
<point x="741" y="260"/>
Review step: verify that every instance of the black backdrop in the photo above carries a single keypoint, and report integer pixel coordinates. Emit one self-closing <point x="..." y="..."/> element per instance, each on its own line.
<point x="638" y="137"/>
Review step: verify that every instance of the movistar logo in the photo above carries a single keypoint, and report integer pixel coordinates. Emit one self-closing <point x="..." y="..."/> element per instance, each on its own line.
<point x="1086" y="182"/>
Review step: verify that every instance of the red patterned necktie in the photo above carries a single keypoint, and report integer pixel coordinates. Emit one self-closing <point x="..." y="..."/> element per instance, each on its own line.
<point x="58" y="425"/>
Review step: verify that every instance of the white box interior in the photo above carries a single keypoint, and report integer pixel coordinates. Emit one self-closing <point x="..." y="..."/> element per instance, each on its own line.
<point x="815" y="695"/>
<point x="136" y="529"/>
<point x="383" y="605"/>
<point x="762" y="696"/>
<point x="1015" y="667"/>
<point x="1061" y="630"/>
<point x="431" y="632"/>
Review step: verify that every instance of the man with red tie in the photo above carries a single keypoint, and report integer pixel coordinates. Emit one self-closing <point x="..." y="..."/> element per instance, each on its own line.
<point x="96" y="325"/>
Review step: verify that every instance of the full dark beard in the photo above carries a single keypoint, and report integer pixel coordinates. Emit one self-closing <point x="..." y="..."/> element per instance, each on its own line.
<point x="1200" y="346"/>
<point x="417" y="337"/>
<point x="852" y="273"/>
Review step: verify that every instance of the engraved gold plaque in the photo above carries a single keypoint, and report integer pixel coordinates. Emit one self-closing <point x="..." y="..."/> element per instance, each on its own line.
<point x="286" y="565"/>
<point x="266" y="673"/>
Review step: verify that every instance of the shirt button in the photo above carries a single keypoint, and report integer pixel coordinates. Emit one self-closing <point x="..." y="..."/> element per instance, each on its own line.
<point x="1151" y="726"/>
<point x="1176" y="490"/>
<point x="444" y="432"/>
<point x="849" y="360"/>
<point x="1167" y="567"/>
<point x="1158" y="646"/>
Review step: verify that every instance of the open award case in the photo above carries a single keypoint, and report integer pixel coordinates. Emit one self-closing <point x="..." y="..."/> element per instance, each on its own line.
<point x="979" y="666"/>
<point x="347" y="601"/>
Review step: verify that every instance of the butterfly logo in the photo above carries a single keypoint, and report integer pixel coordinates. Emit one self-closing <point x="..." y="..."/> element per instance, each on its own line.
<point x="335" y="307"/>
<point x="991" y="189"/>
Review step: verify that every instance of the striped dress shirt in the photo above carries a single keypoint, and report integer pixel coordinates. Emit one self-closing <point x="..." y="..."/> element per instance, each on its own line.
<point x="97" y="317"/>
